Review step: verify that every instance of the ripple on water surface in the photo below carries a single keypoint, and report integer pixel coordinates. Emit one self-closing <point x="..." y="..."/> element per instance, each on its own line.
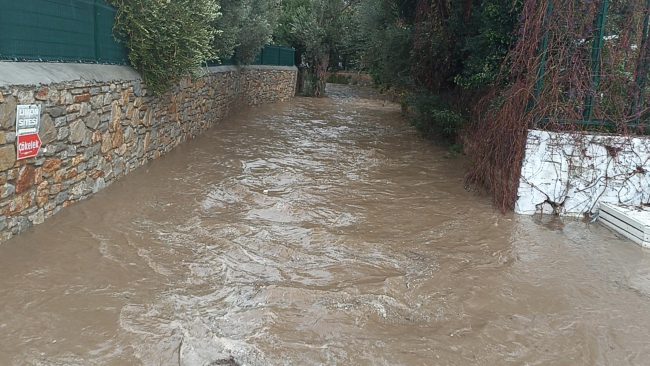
<point x="319" y="231"/>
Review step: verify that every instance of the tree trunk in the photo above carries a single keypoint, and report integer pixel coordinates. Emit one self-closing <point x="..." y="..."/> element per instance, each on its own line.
<point x="320" y="67"/>
<point x="300" y="80"/>
<point x="308" y="82"/>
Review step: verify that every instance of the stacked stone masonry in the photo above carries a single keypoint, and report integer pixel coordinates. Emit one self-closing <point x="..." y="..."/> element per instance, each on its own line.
<point x="94" y="132"/>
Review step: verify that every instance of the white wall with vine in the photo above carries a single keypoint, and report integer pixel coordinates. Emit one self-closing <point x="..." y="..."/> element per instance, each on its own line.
<point x="570" y="173"/>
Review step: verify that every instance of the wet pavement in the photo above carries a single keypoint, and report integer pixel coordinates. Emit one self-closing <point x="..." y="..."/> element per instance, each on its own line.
<point x="316" y="232"/>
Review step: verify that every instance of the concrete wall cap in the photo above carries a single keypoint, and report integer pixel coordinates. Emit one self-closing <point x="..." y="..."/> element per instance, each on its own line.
<point x="44" y="73"/>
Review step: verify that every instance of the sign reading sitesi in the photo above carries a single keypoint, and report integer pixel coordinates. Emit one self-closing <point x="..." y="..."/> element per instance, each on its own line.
<point x="28" y="122"/>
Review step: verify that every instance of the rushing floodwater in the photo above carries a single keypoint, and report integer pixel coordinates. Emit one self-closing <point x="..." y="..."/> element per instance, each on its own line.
<point x="309" y="233"/>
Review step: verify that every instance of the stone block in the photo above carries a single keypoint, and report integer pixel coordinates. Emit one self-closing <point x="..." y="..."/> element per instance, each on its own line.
<point x="63" y="133"/>
<point x="20" y="203"/>
<point x="7" y="190"/>
<point x="48" y="130"/>
<point x="42" y="93"/>
<point x="26" y="97"/>
<point x="38" y="217"/>
<point x="82" y="98"/>
<point x="61" y="198"/>
<point x="78" y="132"/>
<point x="116" y="116"/>
<point x="107" y="143"/>
<point x="7" y="157"/>
<point x="10" y="137"/>
<point x="92" y="121"/>
<point x="8" y="112"/>
<point x="118" y="138"/>
<point x="84" y="109"/>
<point x="26" y="179"/>
<point x="51" y="165"/>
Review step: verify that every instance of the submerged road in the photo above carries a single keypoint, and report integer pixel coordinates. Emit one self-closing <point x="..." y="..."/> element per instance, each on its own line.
<point x="316" y="232"/>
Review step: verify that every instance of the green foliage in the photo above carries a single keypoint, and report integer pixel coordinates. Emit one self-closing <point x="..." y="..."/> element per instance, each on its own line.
<point x="485" y="50"/>
<point x="454" y="48"/>
<point x="316" y="28"/>
<point x="347" y="54"/>
<point x="282" y="33"/>
<point x="245" y="27"/>
<point x="387" y="43"/>
<point x="167" y="40"/>
<point x="319" y="25"/>
<point x="439" y="45"/>
<point x="434" y="118"/>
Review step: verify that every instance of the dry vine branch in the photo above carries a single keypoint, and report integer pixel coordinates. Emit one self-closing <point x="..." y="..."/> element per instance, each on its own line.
<point x="546" y="81"/>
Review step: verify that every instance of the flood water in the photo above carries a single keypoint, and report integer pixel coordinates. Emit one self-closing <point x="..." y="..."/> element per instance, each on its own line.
<point x="316" y="232"/>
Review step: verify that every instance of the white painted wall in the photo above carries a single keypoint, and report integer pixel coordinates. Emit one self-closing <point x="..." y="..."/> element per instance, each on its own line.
<point x="573" y="172"/>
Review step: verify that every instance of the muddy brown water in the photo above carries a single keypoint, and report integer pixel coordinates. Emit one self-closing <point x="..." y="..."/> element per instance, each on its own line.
<point x="316" y="232"/>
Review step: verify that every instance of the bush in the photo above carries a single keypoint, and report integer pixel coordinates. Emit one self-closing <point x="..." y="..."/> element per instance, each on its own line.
<point x="167" y="40"/>
<point x="434" y="118"/>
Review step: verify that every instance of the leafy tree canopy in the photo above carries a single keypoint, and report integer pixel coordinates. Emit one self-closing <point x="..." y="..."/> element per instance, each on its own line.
<point x="245" y="26"/>
<point x="316" y="28"/>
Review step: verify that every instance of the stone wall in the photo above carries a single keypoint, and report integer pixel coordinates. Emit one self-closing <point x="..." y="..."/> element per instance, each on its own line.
<point x="95" y="132"/>
<point x="569" y="174"/>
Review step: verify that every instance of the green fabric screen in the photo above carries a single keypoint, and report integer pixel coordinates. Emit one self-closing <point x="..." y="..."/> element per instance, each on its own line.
<point x="277" y="56"/>
<point x="78" y="31"/>
<point x="59" y="30"/>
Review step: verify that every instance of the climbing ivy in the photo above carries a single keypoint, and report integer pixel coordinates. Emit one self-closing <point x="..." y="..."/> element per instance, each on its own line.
<point x="167" y="40"/>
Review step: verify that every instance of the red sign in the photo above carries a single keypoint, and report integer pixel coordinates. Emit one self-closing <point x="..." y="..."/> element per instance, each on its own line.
<point x="28" y="146"/>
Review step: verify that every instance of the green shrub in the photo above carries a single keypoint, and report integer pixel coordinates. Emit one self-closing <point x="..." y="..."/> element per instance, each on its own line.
<point x="167" y="40"/>
<point x="434" y="118"/>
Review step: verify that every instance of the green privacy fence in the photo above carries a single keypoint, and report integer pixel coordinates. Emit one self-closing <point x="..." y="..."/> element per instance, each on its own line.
<point x="269" y="55"/>
<point x="276" y="55"/>
<point x="618" y="63"/>
<point x="78" y="31"/>
<point x="59" y="30"/>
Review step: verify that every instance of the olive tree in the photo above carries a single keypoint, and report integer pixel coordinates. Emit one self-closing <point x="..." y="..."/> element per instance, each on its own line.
<point x="245" y="26"/>
<point x="315" y="28"/>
